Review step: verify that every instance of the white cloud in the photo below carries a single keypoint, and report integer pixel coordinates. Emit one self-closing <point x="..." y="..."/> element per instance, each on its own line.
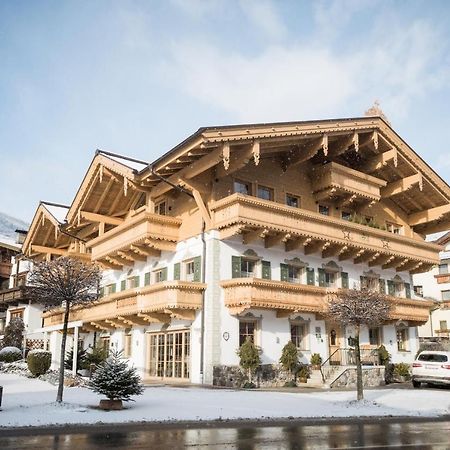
<point x="263" y="15"/>
<point x="198" y="8"/>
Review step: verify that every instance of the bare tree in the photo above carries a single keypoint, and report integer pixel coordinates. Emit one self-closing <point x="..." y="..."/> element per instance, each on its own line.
<point x="64" y="282"/>
<point x="359" y="307"/>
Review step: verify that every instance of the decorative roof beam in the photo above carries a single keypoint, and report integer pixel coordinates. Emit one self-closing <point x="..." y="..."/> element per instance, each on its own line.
<point x="145" y="251"/>
<point x="277" y="239"/>
<point x="399" y="186"/>
<point x="379" y="161"/>
<point x="94" y="217"/>
<point x="239" y="158"/>
<point x="296" y="243"/>
<point x="380" y="260"/>
<point x="133" y="320"/>
<point x="152" y="317"/>
<point x="251" y="236"/>
<point x="316" y="247"/>
<point x="342" y="145"/>
<point x="334" y="250"/>
<point x="393" y="263"/>
<point x="299" y="154"/>
<point x="429" y="215"/>
<point x="181" y="314"/>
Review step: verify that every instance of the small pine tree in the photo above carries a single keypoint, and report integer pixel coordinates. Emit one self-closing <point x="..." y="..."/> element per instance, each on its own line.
<point x="289" y="358"/>
<point x="114" y="379"/>
<point x="249" y="358"/>
<point x="81" y="359"/>
<point x="14" y="333"/>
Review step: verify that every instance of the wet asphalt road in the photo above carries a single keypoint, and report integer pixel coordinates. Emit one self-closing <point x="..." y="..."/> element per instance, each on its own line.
<point x="375" y="434"/>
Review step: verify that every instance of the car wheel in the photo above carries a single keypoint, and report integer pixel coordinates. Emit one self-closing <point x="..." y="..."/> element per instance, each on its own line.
<point x="416" y="384"/>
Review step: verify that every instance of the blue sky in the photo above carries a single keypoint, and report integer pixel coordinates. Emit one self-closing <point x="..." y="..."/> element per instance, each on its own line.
<point x="137" y="77"/>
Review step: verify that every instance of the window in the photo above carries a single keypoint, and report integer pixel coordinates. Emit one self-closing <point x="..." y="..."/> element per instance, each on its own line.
<point x="294" y="274"/>
<point x="330" y="279"/>
<point x="346" y="215"/>
<point x="189" y="268"/>
<point x="265" y="193"/>
<point x="292" y="200"/>
<point x="446" y="295"/>
<point x="375" y="336"/>
<point x="398" y="288"/>
<point x="443" y="268"/>
<point x="160" y="208"/>
<point x="16" y="314"/>
<point x="371" y="283"/>
<point x="418" y="290"/>
<point x="104" y="343"/>
<point x="109" y="289"/>
<point x="248" y="268"/>
<point x="127" y="341"/>
<point x="394" y="228"/>
<point x="402" y="339"/>
<point x="299" y="335"/>
<point x="241" y="187"/>
<point x="247" y="329"/>
<point x="443" y="325"/>
<point x="160" y="275"/>
<point x="133" y="282"/>
<point x="324" y="210"/>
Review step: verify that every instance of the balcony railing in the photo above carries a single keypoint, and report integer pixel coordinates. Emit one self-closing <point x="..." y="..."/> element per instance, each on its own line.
<point x="442" y="278"/>
<point x="5" y="269"/>
<point x="136" y="237"/>
<point x="252" y="218"/>
<point x="139" y="306"/>
<point x="286" y="298"/>
<point x="11" y="296"/>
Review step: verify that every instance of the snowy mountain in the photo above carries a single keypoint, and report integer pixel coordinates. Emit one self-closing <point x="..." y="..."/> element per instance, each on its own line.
<point x="8" y="225"/>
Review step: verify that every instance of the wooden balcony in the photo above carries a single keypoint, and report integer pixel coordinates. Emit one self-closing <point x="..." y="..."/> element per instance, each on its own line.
<point x="139" y="236"/>
<point x="299" y="229"/>
<point x="286" y="298"/>
<point x="333" y="181"/>
<point x="11" y="297"/>
<point x="160" y="302"/>
<point x="5" y="269"/>
<point x="442" y="278"/>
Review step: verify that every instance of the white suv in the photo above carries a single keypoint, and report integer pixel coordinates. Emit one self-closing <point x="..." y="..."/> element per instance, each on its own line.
<point x="432" y="367"/>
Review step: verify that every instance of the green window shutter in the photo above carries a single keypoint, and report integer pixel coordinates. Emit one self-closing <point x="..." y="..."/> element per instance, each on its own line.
<point x="408" y="290"/>
<point x="344" y="280"/>
<point x="310" y="276"/>
<point x="102" y="292"/>
<point x="382" y="284"/>
<point x="197" y="268"/>
<point x="147" y="279"/>
<point x="113" y="288"/>
<point x="235" y="266"/>
<point x="390" y="285"/>
<point x="138" y="280"/>
<point x="177" y="271"/>
<point x="265" y="270"/>
<point x="321" y="277"/>
<point x="123" y="285"/>
<point x="164" y="274"/>
<point x="284" y="272"/>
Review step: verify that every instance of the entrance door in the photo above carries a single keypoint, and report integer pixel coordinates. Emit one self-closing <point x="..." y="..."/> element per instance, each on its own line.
<point x="169" y="355"/>
<point x="334" y="332"/>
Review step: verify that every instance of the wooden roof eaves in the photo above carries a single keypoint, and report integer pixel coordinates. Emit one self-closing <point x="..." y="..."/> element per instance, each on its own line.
<point x="110" y="164"/>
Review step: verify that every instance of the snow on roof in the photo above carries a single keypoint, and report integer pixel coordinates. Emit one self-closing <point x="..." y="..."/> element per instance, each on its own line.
<point x="59" y="212"/>
<point x="8" y="243"/>
<point x="132" y="163"/>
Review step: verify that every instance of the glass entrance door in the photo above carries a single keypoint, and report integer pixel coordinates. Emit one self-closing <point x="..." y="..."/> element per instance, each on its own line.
<point x="169" y="354"/>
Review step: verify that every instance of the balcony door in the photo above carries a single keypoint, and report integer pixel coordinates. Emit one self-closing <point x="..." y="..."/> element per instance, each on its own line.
<point x="168" y="355"/>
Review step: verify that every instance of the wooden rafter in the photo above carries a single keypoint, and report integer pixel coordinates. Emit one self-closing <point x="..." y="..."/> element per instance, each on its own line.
<point x="98" y="218"/>
<point x="299" y="154"/>
<point x="428" y="215"/>
<point x="381" y="160"/>
<point x="402" y="185"/>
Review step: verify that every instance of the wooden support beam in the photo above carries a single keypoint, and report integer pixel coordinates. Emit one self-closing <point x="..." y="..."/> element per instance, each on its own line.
<point x="115" y="323"/>
<point x="316" y="247"/>
<point x="136" y="256"/>
<point x="284" y="313"/>
<point x="133" y="320"/>
<point x="110" y="265"/>
<point x="50" y="250"/>
<point x="191" y="171"/>
<point x="181" y="314"/>
<point x="296" y="243"/>
<point x="429" y="215"/>
<point x="411" y="265"/>
<point x="395" y="262"/>
<point x="299" y="154"/>
<point x="126" y="256"/>
<point x="99" y="326"/>
<point x="145" y="251"/>
<point x="381" y="160"/>
<point x="104" y="194"/>
<point x="251" y="236"/>
<point x="239" y="158"/>
<point x="334" y="250"/>
<point x="399" y="186"/>
<point x="276" y="239"/>
<point x="343" y="144"/>
<point x="94" y="217"/>
<point x="118" y="260"/>
<point x="362" y="256"/>
<point x="153" y="317"/>
<point x="380" y="260"/>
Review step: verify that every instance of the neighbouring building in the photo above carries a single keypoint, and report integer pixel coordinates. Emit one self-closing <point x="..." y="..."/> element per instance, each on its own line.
<point x="245" y="231"/>
<point x="435" y="285"/>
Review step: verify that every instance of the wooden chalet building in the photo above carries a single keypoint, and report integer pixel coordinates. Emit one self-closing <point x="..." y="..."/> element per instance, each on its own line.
<point x="245" y="231"/>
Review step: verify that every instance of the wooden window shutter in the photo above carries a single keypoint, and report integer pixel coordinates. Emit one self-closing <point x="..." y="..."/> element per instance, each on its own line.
<point x="310" y="276"/>
<point x="197" y="268"/>
<point x="123" y="285"/>
<point x="408" y="290"/>
<point x="284" y="272"/>
<point x="391" y="289"/>
<point x="147" y="279"/>
<point x="266" y="271"/>
<point x="164" y="274"/>
<point x="321" y="277"/>
<point x="236" y="267"/>
<point x="382" y="285"/>
<point x="344" y="280"/>
<point x="177" y="271"/>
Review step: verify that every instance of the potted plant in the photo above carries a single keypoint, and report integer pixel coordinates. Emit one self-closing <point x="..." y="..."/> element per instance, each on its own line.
<point x="303" y="374"/>
<point x="249" y="360"/>
<point x="316" y="361"/>
<point x="289" y="362"/>
<point x="118" y="382"/>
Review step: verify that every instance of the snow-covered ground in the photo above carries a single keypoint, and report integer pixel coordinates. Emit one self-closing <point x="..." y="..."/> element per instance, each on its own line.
<point x="31" y="402"/>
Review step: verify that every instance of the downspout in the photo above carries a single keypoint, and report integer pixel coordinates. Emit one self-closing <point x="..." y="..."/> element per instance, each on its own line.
<point x="202" y="326"/>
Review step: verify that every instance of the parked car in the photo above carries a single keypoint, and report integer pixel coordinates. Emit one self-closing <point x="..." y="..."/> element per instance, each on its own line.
<point x="432" y="367"/>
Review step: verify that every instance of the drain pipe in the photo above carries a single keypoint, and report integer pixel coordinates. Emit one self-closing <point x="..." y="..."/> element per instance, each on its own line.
<point x="202" y="332"/>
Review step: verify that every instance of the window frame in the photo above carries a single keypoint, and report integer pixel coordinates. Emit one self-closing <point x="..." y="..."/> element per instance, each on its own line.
<point x="403" y="343"/>
<point x="157" y="207"/>
<point x="293" y="196"/>
<point x="304" y="341"/>
<point x="268" y="189"/>
<point x="322" y="205"/>
<point x="247" y="321"/>
<point x="127" y="344"/>
<point x="447" y="292"/>
<point x="249" y="185"/>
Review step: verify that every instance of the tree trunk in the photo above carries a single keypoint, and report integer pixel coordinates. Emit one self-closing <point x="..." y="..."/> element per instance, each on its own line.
<point x="59" y="395"/>
<point x="359" y="378"/>
<point x="249" y="374"/>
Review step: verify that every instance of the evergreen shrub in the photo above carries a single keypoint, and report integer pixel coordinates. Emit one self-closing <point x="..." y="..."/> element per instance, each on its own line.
<point x="39" y="362"/>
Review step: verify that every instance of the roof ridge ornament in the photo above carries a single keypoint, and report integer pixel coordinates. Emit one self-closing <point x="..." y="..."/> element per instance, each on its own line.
<point x="375" y="110"/>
